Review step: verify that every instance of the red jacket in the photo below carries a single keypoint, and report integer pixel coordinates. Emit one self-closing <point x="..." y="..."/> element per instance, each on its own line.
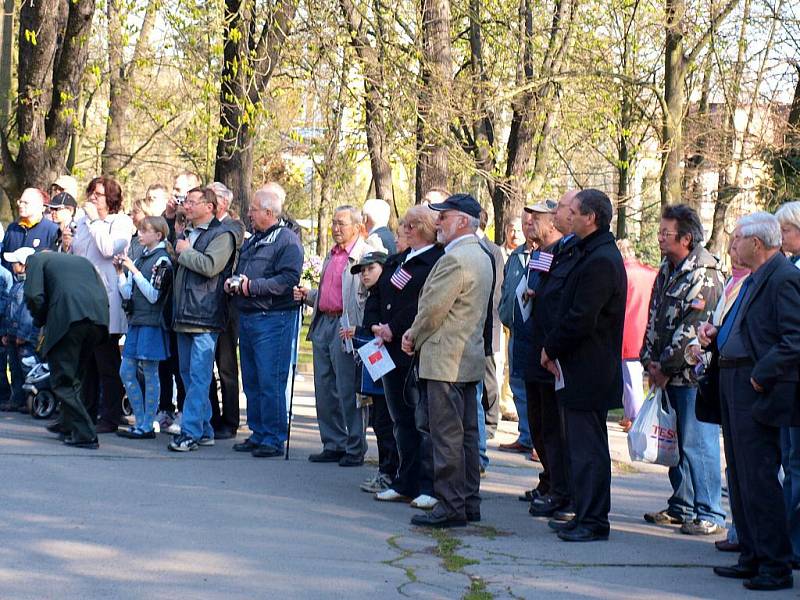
<point x="640" y="285"/>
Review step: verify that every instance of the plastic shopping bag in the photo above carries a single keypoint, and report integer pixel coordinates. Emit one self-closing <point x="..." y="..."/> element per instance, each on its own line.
<point x="654" y="435"/>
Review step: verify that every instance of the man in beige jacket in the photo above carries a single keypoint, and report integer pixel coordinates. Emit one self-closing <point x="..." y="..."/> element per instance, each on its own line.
<point x="449" y="336"/>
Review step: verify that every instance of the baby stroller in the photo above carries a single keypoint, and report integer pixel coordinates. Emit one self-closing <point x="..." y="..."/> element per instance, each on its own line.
<point x="41" y="401"/>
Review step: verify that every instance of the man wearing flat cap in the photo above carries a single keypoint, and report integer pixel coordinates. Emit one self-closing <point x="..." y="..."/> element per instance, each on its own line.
<point x="449" y="334"/>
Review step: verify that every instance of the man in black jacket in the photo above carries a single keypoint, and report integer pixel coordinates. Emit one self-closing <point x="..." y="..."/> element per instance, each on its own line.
<point x="75" y="321"/>
<point x="758" y="346"/>
<point x="583" y="352"/>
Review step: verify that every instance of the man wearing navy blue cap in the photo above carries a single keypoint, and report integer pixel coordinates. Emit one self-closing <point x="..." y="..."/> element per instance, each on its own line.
<point x="449" y="333"/>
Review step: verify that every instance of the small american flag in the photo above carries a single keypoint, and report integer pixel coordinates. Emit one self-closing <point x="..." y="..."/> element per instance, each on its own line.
<point x="374" y="357"/>
<point x="400" y="278"/>
<point x="540" y="261"/>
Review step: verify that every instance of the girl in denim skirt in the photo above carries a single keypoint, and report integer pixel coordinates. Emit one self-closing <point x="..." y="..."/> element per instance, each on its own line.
<point x="146" y="292"/>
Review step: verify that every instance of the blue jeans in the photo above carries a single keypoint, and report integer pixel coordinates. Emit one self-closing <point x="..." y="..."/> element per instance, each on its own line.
<point x="696" y="481"/>
<point x="790" y="461"/>
<point x="196" y="358"/>
<point x="265" y="353"/>
<point x="517" y="385"/>
<point x="144" y="405"/>
<point x="484" y="456"/>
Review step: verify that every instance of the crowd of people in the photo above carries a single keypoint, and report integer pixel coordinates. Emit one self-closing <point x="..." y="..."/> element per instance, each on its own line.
<point x="561" y="318"/>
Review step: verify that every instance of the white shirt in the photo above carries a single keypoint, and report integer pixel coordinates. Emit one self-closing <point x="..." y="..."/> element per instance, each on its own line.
<point x="417" y="252"/>
<point x="455" y="241"/>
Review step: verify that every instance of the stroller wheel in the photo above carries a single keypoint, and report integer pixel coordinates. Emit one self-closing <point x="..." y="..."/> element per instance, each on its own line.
<point x="44" y="405"/>
<point x="127" y="409"/>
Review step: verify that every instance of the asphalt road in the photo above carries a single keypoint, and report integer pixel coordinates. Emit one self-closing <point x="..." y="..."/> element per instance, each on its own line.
<point x="133" y="520"/>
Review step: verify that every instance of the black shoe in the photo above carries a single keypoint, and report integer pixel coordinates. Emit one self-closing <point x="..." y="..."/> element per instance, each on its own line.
<point x="106" y="427"/>
<point x="726" y="546"/>
<point x="136" y="434"/>
<point x="348" y="460"/>
<point x="546" y="506"/>
<point x="736" y="572"/>
<point x="437" y="519"/>
<point x="562" y="525"/>
<point x="327" y="456"/>
<point x="246" y="446"/>
<point x="266" y="451"/>
<point x="583" y="534"/>
<point x="86" y="444"/>
<point x="473" y="517"/>
<point x="768" y="583"/>
<point x="224" y="434"/>
<point x="530" y="495"/>
<point x="55" y="428"/>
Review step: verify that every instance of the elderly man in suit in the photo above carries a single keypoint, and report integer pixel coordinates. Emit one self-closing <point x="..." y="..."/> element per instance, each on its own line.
<point x="75" y="321"/>
<point x="758" y="353"/>
<point x="584" y="353"/>
<point x="338" y="301"/>
<point x="449" y="335"/>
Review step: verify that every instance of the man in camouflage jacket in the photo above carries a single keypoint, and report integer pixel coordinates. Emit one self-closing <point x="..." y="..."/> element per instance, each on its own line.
<point x="686" y="290"/>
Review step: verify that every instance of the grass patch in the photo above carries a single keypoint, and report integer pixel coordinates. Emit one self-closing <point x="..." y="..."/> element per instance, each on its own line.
<point x="446" y="546"/>
<point x="478" y="591"/>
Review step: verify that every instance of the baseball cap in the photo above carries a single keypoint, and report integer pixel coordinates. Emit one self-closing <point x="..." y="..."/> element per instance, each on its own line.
<point x="61" y="200"/>
<point x="545" y="206"/>
<point x="368" y="259"/>
<point x="461" y="202"/>
<point x="20" y="255"/>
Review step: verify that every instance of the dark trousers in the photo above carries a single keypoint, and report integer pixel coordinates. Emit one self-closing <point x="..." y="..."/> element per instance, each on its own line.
<point x="453" y="421"/>
<point x="589" y="466"/>
<point x="549" y="438"/>
<point x="5" y="388"/>
<point x="753" y="454"/>
<point x="411" y="433"/>
<point x="381" y="422"/>
<point x="536" y="424"/>
<point x="491" y="397"/>
<point x="67" y="359"/>
<point x="102" y="386"/>
<point x="169" y="371"/>
<point x="228" y="369"/>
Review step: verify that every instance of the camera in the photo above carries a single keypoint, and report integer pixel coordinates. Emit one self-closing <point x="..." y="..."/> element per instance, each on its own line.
<point x="179" y="198"/>
<point x="235" y="284"/>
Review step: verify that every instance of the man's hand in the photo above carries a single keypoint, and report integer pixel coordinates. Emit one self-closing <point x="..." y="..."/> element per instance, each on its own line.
<point x="299" y="293"/>
<point x="182" y="245"/>
<point x="171" y="209"/>
<point x="407" y="343"/>
<point x="657" y="376"/>
<point x="756" y="386"/>
<point x="346" y="333"/>
<point x="549" y="364"/>
<point x="706" y="333"/>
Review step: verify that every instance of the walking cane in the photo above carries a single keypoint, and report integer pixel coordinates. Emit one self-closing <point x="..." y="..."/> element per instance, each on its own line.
<point x="295" y="353"/>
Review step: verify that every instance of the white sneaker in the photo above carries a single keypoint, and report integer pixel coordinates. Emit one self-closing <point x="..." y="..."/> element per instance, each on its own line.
<point x="391" y="496"/>
<point x="174" y="427"/>
<point x="424" y="502"/>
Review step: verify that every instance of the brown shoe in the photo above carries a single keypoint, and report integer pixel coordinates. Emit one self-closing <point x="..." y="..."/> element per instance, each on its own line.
<point x="514" y="447"/>
<point x="534" y="457"/>
<point x="726" y="546"/>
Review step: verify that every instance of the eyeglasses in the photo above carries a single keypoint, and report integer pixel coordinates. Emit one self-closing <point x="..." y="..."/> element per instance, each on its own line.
<point x="340" y="224"/>
<point x="96" y="194"/>
<point x="446" y="214"/>
<point x="411" y="226"/>
<point x="665" y="234"/>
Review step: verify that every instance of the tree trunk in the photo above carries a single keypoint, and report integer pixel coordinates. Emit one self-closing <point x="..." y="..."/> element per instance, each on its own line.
<point x="675" y="101"/>
<point x="251" y="52"/>
<point x="374" y="89"/>
<point x="434" y="96"/>
<point x="116" y="151"/>
<point x="324" y="217"/>
<point x="52" y="56"/>
<point x="6" y="53"/>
